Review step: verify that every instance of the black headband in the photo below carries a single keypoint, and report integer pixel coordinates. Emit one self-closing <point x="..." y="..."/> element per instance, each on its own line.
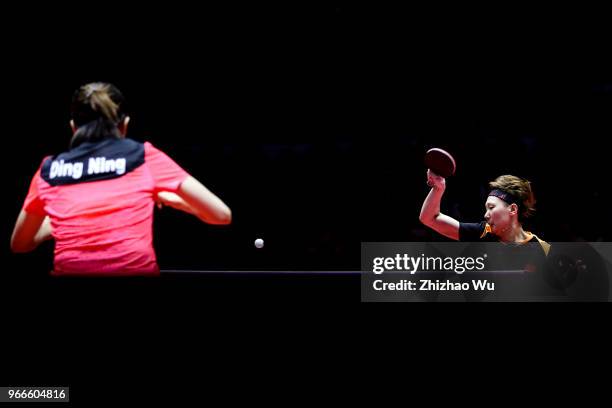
<point x="507" y="197"/>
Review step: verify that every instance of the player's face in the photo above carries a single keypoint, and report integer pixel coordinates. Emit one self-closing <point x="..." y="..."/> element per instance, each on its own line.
<point x="497" y="214"/>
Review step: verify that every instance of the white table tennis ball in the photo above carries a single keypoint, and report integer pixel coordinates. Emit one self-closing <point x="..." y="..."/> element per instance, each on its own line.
<point x="259" y="243"/>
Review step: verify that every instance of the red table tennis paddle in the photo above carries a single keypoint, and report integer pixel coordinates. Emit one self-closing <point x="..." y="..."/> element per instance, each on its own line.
<point x="440" y="162"/>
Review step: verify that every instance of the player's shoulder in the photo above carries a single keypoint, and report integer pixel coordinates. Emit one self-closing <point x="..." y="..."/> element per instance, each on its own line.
<point x="473" y="225"/>
<point x="545" y="245"/>
<point x="44" y="165"/>
<point x="45" y="160"/>
<point x="472" y="231"/>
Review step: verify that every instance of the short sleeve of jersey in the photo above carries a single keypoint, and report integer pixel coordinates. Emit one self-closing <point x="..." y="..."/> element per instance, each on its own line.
<point x="33" y="203"/>
<point x="471" y="231"/>
<point x="167" y="175"/>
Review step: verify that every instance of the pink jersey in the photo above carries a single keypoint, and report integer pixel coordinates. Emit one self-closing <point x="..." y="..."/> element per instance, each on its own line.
<point x="100" y="199"/>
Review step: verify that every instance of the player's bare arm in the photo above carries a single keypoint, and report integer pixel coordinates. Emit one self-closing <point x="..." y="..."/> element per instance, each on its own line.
<point x="430" y="211"/>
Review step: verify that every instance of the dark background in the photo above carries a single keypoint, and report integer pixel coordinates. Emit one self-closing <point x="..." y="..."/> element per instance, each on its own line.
<point x="312" y="123"/>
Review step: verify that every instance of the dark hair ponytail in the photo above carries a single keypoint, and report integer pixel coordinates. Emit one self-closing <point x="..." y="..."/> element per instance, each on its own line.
<point x="97" y="113"/>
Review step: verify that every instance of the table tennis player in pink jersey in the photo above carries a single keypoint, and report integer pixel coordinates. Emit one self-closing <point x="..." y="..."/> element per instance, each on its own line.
<point x="96" y="200"/>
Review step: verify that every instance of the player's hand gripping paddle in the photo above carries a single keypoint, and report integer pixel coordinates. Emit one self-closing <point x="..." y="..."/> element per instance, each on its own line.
<point x="440" y="162"/>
